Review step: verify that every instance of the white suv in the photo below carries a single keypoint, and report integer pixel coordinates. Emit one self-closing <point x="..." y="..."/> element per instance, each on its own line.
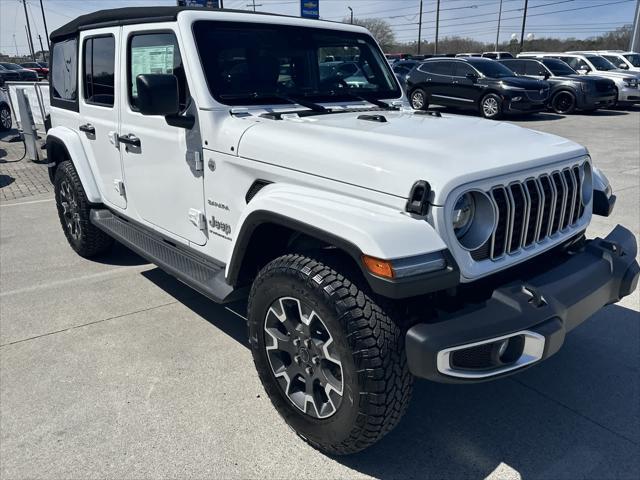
<point x="627" y="83"/>
<point x="366" y="235"/>
<point x="621" y="59"/>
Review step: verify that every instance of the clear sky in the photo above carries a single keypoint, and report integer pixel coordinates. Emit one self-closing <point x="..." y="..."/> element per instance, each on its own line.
<point x="471" y="18"/>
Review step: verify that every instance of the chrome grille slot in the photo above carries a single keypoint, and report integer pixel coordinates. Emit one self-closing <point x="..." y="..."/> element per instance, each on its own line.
<point x="530" y="211"/>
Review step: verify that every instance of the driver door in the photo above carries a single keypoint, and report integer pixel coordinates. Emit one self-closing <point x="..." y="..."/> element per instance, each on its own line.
<point x="163" y="183"/>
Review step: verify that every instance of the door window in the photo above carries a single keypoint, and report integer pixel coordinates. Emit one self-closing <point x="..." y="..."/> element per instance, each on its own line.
<point x="535" y="69"/>
<point x="98" y="70"/>
<point x="155" y="53"/>
<point x="462" y="69"/>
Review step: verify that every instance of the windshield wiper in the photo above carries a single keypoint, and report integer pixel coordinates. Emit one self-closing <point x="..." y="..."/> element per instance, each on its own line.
<point x="280" y="96"/>
<point x="374" y="101"/>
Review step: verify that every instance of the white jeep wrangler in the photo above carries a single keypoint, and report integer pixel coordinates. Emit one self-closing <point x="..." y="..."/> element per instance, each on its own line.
<point x="275" y="158"/>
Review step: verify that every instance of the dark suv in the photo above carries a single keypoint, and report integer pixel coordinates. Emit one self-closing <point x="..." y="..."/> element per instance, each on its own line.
<point x="569" y="90"/>
<point x="475" y="83"/>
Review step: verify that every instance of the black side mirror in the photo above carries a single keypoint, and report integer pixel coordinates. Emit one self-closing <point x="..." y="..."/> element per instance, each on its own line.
<point x="546" y="75"/>
<point x="472" y="76"/>
<point x="157" y="94"/>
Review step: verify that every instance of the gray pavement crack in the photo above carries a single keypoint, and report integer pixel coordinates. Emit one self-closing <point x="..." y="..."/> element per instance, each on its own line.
<point x="573" y="410"/>
<point x="87" y="324"/>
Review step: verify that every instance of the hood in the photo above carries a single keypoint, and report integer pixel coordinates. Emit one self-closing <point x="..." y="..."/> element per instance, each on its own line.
<point x="389" y="157"/>
<point x="614" y="74"/>
<point x="527" y="83"/>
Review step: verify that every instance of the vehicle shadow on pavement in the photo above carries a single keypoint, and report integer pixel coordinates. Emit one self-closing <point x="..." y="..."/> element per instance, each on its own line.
<point x="605" y="113"/>
<point x="217" y="315"/>
<point x="121" y="256"/>
<point x="576" y="415"/>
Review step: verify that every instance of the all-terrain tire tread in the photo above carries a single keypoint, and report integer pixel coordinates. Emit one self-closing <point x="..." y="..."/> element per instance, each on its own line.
<point x="377" y="344"/>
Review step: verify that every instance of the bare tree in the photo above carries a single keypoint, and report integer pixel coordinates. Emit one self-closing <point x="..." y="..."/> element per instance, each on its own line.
<point x="379" y="28"/>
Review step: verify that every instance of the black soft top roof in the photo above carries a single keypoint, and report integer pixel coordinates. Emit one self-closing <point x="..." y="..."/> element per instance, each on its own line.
<point x="128" y="16"/>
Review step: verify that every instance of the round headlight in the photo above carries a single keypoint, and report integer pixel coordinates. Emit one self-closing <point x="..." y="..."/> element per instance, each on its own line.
<point x="473" y="219"/>
<point x="463" y="212"/>
<point x="587" y="183"/>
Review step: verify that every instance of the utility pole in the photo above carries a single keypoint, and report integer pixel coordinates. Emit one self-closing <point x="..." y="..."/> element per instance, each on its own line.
<point x="26" y="32"/>
<point x="634" y="44"/>
<point x="524" y="22"/>
<point x="420" y="28"/>
<point x="15" y="44"/>
<point x="498" y="32"/>
<point x="351" y="11"/>
<point x="46" y="32"/>
<point x="435" y="47"/>
<point x="28" y="27"/>
<point x="253" y="4"/>
<point x="44" y="58"/>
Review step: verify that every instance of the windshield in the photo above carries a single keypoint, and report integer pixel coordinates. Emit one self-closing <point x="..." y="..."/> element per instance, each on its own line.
<point x="11" y="66"/>
<point x="558" y="67"/>
<point x="634" y="58"/>
<point x="251" y="64"/>
<point x="492" y="69"/>
<point x="601" y="63"/>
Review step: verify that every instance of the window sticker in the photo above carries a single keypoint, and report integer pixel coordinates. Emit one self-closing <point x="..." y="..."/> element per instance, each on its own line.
<point x="155" y="59"/>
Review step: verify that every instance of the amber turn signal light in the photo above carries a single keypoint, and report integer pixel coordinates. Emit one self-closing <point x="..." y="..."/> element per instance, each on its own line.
<point x="377" y="266"/>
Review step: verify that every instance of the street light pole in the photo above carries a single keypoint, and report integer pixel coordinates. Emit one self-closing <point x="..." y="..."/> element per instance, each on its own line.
<point x="435" y="47"/>
<point x="524" y="22"/>
<point x="420" y="28"/>
<point x="498" y="32"/>
<point x="351" y="11"/>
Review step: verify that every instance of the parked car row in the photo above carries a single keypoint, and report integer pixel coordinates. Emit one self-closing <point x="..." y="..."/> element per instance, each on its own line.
<point x="13" y="72"/>
<point x="532" y="82"/>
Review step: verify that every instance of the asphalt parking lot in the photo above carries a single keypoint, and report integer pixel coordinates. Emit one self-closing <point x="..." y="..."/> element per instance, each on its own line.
<point x="113" y="369"/>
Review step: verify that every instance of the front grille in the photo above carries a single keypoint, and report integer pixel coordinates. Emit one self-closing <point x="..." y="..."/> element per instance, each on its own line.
<point x="604" y="86"/>
<point x="541" y="94"/>
<point x="533" y="210"/>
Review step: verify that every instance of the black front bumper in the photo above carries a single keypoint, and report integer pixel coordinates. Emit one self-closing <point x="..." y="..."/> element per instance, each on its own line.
<point x="549" y="305"/>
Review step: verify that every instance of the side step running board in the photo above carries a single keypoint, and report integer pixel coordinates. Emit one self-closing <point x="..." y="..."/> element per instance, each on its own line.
<point x="188" y="267"/>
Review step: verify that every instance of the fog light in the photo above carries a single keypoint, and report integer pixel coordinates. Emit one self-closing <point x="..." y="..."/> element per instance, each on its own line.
<point x="502" y="347"/>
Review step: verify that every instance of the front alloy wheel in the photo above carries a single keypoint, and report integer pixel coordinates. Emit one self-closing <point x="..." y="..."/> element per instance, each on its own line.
<point x="490" y="106"/>
<point x="303" y="357"/>
<point x="330" y="358"/>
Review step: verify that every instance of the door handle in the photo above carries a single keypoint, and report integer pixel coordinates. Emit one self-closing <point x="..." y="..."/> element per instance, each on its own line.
<point x="129" y="139"/>
<point x="87" y="128"/>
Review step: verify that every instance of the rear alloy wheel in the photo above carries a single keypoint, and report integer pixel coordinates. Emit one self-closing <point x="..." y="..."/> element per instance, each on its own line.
<point x="419" y="99"/>
<point x="563" y="102"/>
<point x="330" y="358"/>
<point x="74" y="210"/>
<point x="491" y="106"/>
<point x="5" y="118"/>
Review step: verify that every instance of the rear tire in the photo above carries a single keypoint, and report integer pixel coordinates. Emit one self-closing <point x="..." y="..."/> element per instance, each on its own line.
<point x="5" y="118"/>
<point x="419" y="99"/>
<point x="74" y="209"/>
<point x="491" y="106"/>
<point x="311" y="327"/>
<point x="563" y="102"/>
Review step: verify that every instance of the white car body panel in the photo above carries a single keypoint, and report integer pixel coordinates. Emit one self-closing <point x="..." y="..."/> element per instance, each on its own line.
<point x="347" y="176"/>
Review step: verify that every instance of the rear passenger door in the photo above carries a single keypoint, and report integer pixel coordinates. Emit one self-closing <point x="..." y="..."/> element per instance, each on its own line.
<point x="98" y="108"/>
<point x="440" y="82"/>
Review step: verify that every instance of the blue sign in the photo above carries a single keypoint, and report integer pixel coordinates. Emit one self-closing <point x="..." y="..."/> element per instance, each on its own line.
<point x="310" y="9"/>
<point x="200" y="3"/>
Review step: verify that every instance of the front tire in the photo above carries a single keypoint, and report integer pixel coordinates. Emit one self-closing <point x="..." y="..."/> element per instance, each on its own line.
<point x="563" y="103"/>
<point x="74" y="209"/>
<point x="419" y="99"/>
<point x="491" y="106"/>
<point x="331" y="360"/>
